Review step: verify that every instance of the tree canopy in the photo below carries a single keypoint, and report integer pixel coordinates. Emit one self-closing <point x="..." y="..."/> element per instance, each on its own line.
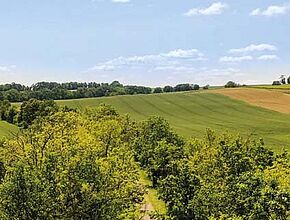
<point x="70" y="166"/>
<point x="75" y="90"/>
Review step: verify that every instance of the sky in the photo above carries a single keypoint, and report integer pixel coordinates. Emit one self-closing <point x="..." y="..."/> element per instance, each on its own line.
<point x="144" y="42"/>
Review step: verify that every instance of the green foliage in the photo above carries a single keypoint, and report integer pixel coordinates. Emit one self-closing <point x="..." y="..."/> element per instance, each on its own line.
<point x="4" y="106"/>
<point x="276" y="83"/>
<point x="2" y="168"/>
<point x="68" y="166"/>
<point x="183" y="87"/>
<point x="168" y="89"/>
<point x="71" y="165"/>
<point x="32" y="109"/>
<point x="72" y="90"/>
<point x="280" y="171"/>
<point x="158" y="90"/>
<point x="156" y="146"/>
<point x="206" y="87"/>
<point x="8" y="112"/>
<point x="2" y="171"/>
<point x="231" y="84"/>
<point x="195" y="87"/>
<point x="178" y="190"/>
<point x="225" y="176"/>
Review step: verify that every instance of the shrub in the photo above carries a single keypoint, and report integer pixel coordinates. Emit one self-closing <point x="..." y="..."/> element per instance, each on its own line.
<point x="206" y="87"/>
<point x="195" y="87"/>
<point x="168" y="89"/>
<point x="157" y="90"/>
<point x="276" y="83"/>
<point x="231" y="84"/>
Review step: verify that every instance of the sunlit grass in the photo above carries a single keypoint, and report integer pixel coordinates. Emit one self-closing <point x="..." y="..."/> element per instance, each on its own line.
<point x="191" y="113"/>
<point x="6" y="129"/>
<point x="151" y="197"/>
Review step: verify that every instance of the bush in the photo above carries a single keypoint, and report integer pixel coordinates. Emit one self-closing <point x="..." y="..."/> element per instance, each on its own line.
<point x="158" y="90"/>
<point x="168" y="89"/>
<point x="231" y="84"/>
<point x="206" y="87"/>
<point x="195" y="87"/>
<point x="276" y="83"/>
<point x="183" y="87"/>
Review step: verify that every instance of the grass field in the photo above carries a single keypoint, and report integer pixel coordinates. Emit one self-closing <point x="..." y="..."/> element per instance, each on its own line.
<point x="281" y="87"/>
<point x="190" y="114"/>
<point x="6" y="129"/>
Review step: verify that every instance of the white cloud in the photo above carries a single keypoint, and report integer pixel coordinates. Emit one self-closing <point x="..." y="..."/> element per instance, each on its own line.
<point x="179" y="53"/>
<point x="235" y="59"/>
<point x="163" y="59"/>
<point x="175" y="68"/>
<point x="230" y="59"/>
<point x="4" y="69"/>
<point x="7" y="68"/>
<point x="121" y="1"/>
<point x="268" y="57"/>
<point x="203" y="71"/>
<point x="255" y="12"/>
<point x="214" y="9"/>
<point x="201" y="75"/>
<point x="254" y="47"/>
<point x="271" y="10"/>
<point x="103" y="67"/>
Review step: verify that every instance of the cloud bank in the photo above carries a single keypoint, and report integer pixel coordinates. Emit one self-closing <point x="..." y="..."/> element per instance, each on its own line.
<point x="174" y="57"/>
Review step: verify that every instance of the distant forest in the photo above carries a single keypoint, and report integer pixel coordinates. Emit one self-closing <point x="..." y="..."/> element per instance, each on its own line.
<point x="75" y="90"/>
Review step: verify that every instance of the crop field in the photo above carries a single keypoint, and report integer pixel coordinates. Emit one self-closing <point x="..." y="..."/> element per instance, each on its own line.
<point x="277" y="87"/>
<point x="270" y="99"/>
<point x="6" y="129"/>
<point x="190" y="114"/>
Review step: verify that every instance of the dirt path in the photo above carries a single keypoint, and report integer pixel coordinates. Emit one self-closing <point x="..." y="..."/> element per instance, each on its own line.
<point x="151" y="202"/>
<point x="273" y="100"/>
<point x="146" y="209"/>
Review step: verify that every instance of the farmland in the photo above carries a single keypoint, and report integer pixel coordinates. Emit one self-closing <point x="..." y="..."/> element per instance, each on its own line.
<point x="191" y="113"/>
<point x="273" y="87"/>
<point x="270" y="99"/>
<point x="154" y="163"/>
<point x="6" y="129"/>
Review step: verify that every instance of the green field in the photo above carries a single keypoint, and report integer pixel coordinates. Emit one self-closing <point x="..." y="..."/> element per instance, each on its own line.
<point x="7" y="129"/>
<point x="282" y="87"/>
<point x="190" y="114"/>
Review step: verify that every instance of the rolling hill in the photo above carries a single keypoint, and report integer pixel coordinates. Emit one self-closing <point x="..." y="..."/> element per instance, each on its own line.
<point x="190" y="114"/>
<point x="270" y="99"/>
<point x="6" y="129"/>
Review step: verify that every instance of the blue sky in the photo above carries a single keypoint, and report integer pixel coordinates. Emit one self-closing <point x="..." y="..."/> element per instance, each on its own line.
<point x="144" y="42"/>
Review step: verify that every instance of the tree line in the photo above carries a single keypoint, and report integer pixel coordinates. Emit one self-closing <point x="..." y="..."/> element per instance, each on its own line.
<point x="74" y="90"/>
<point x="67" y="164"/>
<point x="283" y="80"/>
